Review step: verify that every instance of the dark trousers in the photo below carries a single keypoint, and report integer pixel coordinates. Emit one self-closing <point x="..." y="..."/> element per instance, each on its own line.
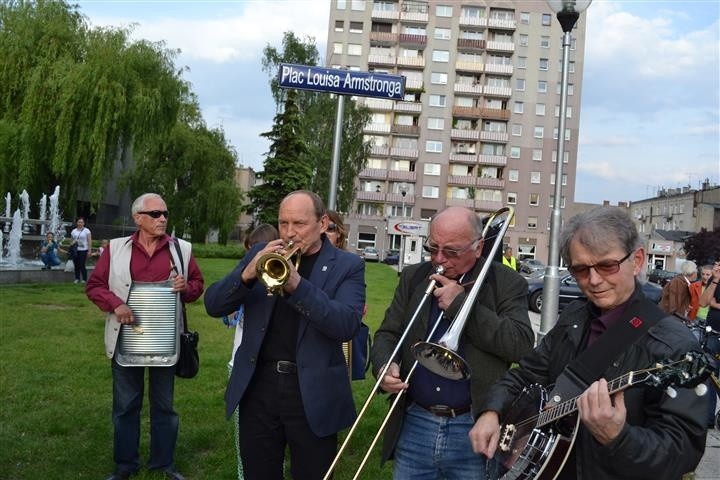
<point x="271" y="417"/>
<point x="79" y="263"/>
<point x="128" y="392"/>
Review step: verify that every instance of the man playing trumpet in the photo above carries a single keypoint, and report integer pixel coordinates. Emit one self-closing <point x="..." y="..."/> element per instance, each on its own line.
<point x="289" y="379"/>
<point x="428" y="433"/>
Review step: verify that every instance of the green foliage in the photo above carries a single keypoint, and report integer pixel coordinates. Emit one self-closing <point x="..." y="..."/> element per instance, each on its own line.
<point x="211" y="250"/>
<point x="703" y="247"/>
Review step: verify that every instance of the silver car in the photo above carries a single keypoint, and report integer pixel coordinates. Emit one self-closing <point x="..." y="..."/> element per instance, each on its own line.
<point x="370" y="254"/>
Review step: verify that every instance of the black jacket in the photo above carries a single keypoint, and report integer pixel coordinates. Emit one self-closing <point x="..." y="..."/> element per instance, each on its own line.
<point x="663" y="437"/>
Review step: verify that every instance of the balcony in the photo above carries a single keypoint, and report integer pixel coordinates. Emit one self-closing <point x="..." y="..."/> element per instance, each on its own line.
<point x="381" y="60"/>
<point x="414" y="17"/>
<point x="507" y="24"/>
<point x="493" y="160"/>
<point x="500" y="46"/>
<point x="373" y="173"/>
<point x="465" y="180"/>
<point x="413" y="84"/>
<point x="370" y="196"/>
<point x="495" y="114"/>
<point x="410" y="39"/>
<point x="417" y="62"/>
<point x="499" y="69"/>
<point x="380" y="150"/>
<point x="490" y="182"/>
<point x="385" y="14"/>
<point x="468" y="88"/>
<point x="377" y="128"/>
<point x="488" y="205"/>
<point x="398" y="198"/>
<point x="497" y="91"/>
<point x="469" y="66"/>
<point x="470" y="44"/>
<point x="501" y="137"/>
<point x="465" y="158"/>
<point x="408" y="107"/>
<point x="379" y="104"/>
<point x="401" y="175"/>
<point x="467" y="112"/>
<point x="460" y="202"/>
<point x="473" y="21"/>
<point x="404" y="152"/>
<point x="412" y="130"/>
<point x="383" y="37"/>
<point x="460" y="134"/>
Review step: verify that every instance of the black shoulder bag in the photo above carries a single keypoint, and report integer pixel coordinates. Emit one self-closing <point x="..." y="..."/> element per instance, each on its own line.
<point x="188" y="362"/>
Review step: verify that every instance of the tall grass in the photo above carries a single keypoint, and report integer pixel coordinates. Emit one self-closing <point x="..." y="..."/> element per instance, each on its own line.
<point x="55" y="387"/>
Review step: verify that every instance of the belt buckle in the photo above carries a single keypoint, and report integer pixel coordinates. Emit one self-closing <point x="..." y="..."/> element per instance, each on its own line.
<point x="283" y="366"/>
<point x="442" y="411"/>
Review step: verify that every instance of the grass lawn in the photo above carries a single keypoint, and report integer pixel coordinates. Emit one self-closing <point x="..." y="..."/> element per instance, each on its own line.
<point x="55" y="387"/>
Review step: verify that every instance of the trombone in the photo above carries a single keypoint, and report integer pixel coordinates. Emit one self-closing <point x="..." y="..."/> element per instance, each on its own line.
<point x="273" y="269"/>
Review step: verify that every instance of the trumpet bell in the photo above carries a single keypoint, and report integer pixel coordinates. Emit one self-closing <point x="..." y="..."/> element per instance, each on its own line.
<point x="273" y="269"/>
<point x="441" y="360"/>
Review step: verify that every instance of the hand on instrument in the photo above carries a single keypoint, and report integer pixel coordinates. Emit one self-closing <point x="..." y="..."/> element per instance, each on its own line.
<point x="485" y="434"/>
<point x="446" y="291"/>
<point x="391" y="382"/>
<point x="179" y="283"/>
<point x="602" y="415"/>
<point x="249" y="275"/>
<point x="124" y="314"/>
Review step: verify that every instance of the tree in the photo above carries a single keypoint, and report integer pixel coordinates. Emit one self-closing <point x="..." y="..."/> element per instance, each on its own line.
<point x="287" y="166"/>
<point x="318" y="112"/>
<point x="704" y="247"/>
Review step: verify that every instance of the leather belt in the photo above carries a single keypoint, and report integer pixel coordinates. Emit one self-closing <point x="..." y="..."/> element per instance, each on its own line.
<point x="283" y="366"/>
<point x="444" y="410"/>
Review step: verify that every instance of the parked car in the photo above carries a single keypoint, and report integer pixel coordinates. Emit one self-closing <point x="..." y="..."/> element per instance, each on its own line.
<point x="660" y="276"/>
<point x="570" y="291"/>
<point x="530" y="266"/>
<point x="392" y="257"/>
<point x="370" y="254"/>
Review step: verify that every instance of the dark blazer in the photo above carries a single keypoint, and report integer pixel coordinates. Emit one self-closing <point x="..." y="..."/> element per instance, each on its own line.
<point x="330" y="304"/>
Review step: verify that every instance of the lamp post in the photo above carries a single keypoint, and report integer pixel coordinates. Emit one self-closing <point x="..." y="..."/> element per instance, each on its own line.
<point x="568" y="12"/>
<point x="401" y="259"/>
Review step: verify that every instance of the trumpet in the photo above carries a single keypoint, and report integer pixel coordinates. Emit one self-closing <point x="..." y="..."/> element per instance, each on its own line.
<point x="273" y="269"/>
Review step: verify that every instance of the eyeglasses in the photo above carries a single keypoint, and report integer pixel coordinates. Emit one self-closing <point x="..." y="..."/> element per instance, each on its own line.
<point x="156" y="213"/>
<point x="448" y="252"/>
<point x="331" y="227"/>
<point x="605" y="267"/>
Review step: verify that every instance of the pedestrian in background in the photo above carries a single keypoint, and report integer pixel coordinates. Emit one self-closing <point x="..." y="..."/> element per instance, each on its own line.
<point x="82" y="244"/>
<point x="508" y="259"/>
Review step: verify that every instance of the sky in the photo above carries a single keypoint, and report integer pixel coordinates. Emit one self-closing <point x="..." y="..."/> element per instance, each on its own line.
<point x="650" y="112"/>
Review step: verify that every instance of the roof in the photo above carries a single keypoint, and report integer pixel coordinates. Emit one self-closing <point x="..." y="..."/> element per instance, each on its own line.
<point x="674" y="235"/>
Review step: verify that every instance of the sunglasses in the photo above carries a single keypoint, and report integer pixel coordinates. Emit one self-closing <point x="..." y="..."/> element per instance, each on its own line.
<point x="331" y="227"/>
<point x="448" y="252"/>
<point x="605" y="267"/>
<point x="156" y="213"/>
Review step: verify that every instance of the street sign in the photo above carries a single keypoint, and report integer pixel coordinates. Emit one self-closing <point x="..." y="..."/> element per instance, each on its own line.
<point x="343" y="82"/>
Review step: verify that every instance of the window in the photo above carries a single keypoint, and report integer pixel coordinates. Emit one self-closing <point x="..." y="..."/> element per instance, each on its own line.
<point x="523" y="40"/>
<point x="358" y="5"/>
<point x="517" y="130"/>
<point x="356" y="27"/>
<point x="472" y="12"/>
<point x="568" y="112"/>
<point x="525" y="18"/>
<point x="566" y="156"/>
<point x="543" y="64"/>
<point x="433" y="146"/>
<point x="341" y="4"/>
<point x="571" y="66"/>
<point x="552" y="179"/>
<point x="537" y="154"/>
<point x="340" y="26"/>
<point x="443" y="11"/>
<point x="539" y="132"/>
<point x="542" y="86"/>
<point x="431" y="169"/>
<point x="354" y="49"/>
<point x="520" y="84"/>
<point x="546" y="19"/>
<point x="567" y="134"/>
<point x="540" y="109"/>
<point x="492" y="149"/>
<point x="414" y="30"/>
<point x="492" y="126"/>
<point x="435" y="123"/>
<point x="570" y="90"/>
<point x="544" y="42"/>
<point x="521" y="62"/>
<point x="514" y="152"/>
<point x="532" y="222"/>
<point x="442" y="33"/>
<point x="437" y="100"/>
<point x="534" y="199"/>
<point x="552" y="201"/>
<point x="513" y="175"/>
<point x="337" y="48"/>
<point x="535" y="177"/>
<point x="511" y="198"/>
<point x="437" y="78"/>
<point x="429" y="191"/>
<point x="441" y="56"/>
<point x="519" y="107"/>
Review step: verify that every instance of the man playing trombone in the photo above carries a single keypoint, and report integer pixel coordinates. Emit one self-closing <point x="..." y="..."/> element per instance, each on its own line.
<point x="289" y="379"/>
<point x="427" y="433"/>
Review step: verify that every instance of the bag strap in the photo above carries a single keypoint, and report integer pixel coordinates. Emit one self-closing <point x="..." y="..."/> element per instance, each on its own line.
<point x="182" y="269"/>
<point x="590" y="365"/>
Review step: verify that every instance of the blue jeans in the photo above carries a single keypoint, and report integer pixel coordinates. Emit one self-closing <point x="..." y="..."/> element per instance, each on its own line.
<point x="128" y="392"/>
<point x="50" y="259"/>
<point x="432" y="447"/>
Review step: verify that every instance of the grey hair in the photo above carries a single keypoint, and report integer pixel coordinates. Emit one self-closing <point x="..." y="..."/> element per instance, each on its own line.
<point x="600" y="230"/>
<point x="688" y="268"/>
<point x="139" y="204"/>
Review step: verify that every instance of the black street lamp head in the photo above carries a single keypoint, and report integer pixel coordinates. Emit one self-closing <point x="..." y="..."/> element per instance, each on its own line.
<point x="568" y="11"/>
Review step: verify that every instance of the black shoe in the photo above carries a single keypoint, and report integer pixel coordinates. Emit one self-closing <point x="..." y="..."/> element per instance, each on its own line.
<point x="172" y="474"/>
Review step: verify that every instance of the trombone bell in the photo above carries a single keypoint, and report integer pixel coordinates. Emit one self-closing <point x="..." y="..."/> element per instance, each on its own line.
<point x="441" y="360"/>
<point x="273" y="269"/>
